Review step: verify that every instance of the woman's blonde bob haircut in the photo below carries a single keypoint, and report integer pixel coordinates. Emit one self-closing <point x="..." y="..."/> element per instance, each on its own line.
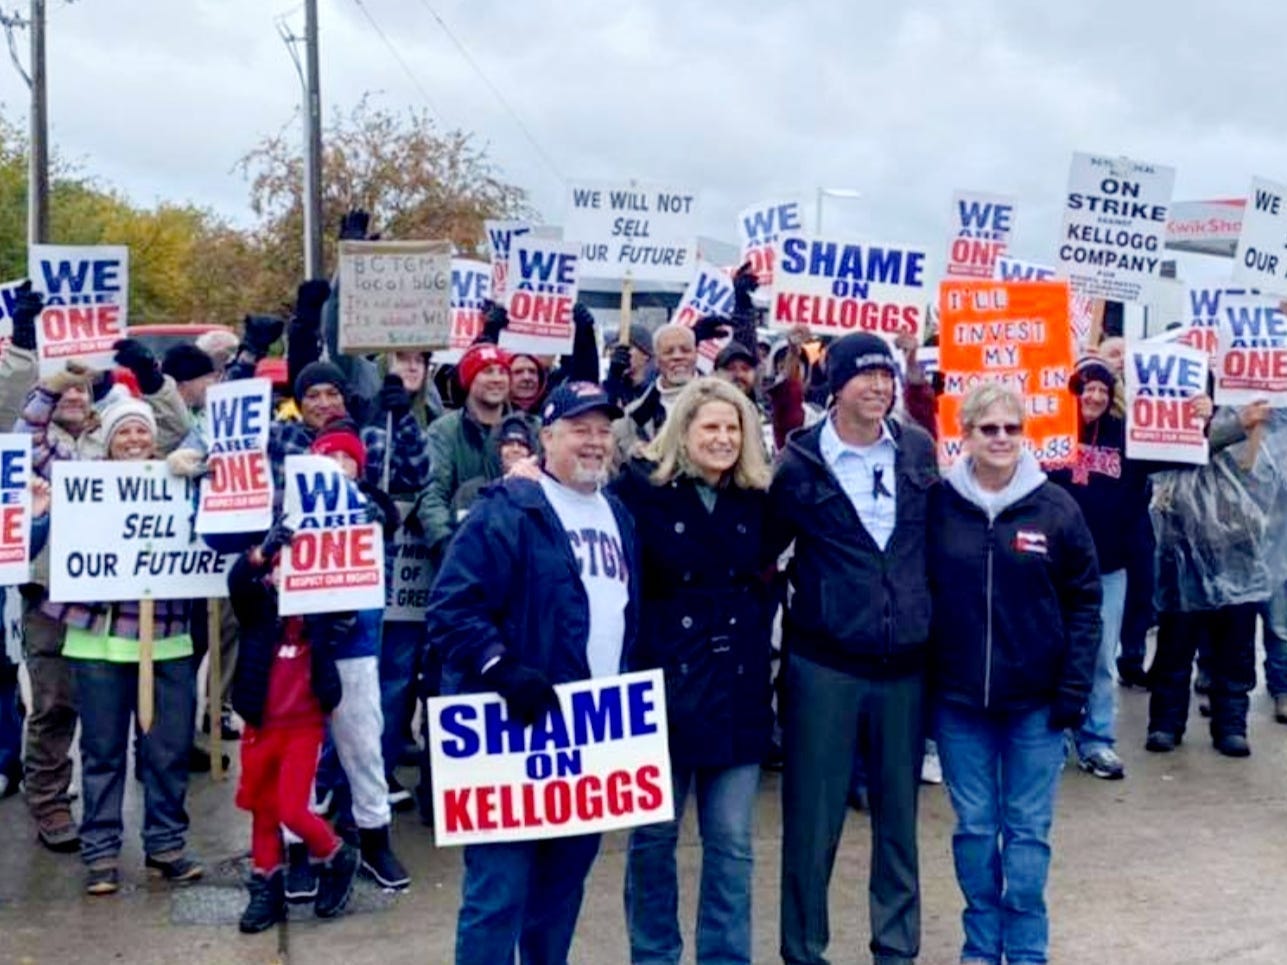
<point x="670" y="450"/>
<point x="983" y="397"/>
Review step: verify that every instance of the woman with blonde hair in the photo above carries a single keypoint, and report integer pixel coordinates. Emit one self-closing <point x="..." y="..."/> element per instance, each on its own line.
<point x="698" y="493"/>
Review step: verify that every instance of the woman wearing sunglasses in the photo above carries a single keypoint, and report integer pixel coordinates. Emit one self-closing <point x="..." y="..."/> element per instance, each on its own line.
<point x="1015" y="631"/>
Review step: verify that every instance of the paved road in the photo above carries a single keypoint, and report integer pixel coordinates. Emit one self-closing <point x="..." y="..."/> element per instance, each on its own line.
<point x="1183" y="862"/>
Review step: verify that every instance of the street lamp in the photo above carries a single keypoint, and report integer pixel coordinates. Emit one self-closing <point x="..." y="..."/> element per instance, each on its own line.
<point x="850" y="193"/>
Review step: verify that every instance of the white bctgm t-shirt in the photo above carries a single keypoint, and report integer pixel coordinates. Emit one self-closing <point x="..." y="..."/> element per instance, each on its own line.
<point x="596" y="543"/>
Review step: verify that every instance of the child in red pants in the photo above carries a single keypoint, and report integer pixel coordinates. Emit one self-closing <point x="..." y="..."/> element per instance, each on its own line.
<point x="285" y="684"/>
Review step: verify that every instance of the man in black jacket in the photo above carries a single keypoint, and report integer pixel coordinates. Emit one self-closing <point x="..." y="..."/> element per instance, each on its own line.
<point x="852" y="492"/>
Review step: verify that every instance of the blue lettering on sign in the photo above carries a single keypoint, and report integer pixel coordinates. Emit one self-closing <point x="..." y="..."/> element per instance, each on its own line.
<point x="585" y="198"/>
<point x="324" y="488"/>
<point x="463" y="741"/>
<point x="852" y="263"/>
<point x="1267" y="201"/>
<point x="235" y="417"/>
<point x="1259" y="327"/>
<point x="765" y="224"/>
<point x="81" y="275"/>
<point x="12" y="466"/>
<point x="467" y="286"/>
<point x="546" y="268"/>
<point x="1167" y="374"/>
<point x="1011" y="270"/>
<point x="980" y="217"/>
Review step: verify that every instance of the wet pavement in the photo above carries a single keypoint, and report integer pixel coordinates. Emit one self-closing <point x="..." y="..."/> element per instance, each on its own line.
<point x="1182" y="862"/>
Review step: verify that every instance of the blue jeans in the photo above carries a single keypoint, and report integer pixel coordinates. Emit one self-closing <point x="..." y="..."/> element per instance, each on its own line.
<point x="10" y="722"/>
<point x="1274" y="618"/>
<point x="106" y="695"/>
<point x="726" y="815"/>
<point x="399" y="650"/>
<point x="525" y="894"/>
<point x="1001" y="772"/>
<point x="1099" y="730"/>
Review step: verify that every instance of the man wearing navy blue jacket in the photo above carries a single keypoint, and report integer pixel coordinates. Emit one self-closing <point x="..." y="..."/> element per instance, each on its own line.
<point x="539" y="587"/>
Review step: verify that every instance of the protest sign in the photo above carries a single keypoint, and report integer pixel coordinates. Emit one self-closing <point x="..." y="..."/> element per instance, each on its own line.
<point x="709" y="293"/>
<point x="335" y="561"/>
<point x="760" y="226"/>
<point x="237" y="493"/>
<point x="499" y="235"/>
<point x="1114" y="226"/>
<point x="1017" y="269"/>
<point x="8" y="298"/>
<point x="542" y="284"/>
<point x="470" y="287"/>
<point x="86" y="289"/>
<point x="1200" y="326"/>
<point x="1261" y="258"/>
<point x="123" y="531"/>
<point x="980" y="233"/>
<point x="15" y="508"/>
<point x="1251" y="356"/>
<point x="407" y="598"/>
<point x="1162" y="378"/>
<point x="1015" y="333"/>
<point x="394" y="295"/>
<point x="837" y="287"/>
<point x="600" y="763"/>
<point x="645" y="232"/>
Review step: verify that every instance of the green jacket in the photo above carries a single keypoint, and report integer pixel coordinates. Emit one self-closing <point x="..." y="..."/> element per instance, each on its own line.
<point x="460" y="449"/>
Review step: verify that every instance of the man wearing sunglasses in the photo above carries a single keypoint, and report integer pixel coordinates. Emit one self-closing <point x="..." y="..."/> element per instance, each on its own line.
<point x="852" y="493"/>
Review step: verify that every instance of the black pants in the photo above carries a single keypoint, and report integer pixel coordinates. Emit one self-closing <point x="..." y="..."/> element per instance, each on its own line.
<point x="826" y="715"/>
<point x="1140" y="614"/>
<point x="1228" y="634"/>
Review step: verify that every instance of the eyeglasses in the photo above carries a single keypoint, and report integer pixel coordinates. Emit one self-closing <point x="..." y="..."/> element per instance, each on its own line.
<point x="992" y="429"/>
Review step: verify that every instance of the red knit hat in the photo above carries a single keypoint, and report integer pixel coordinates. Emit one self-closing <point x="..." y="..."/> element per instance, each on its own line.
<point x="341" y="436"/>
<point x="477" y="358"/>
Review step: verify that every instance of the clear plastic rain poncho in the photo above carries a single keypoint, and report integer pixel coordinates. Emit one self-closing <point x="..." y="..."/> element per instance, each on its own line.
<point x="1221" y="528"/>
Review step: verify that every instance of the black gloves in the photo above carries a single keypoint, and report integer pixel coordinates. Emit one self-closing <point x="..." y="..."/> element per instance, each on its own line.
<point x="619" y="364"/>
<point x="1066" y="714"/>
<point x="394" y="399"/>
<point x="581" y="317"/>
<point x="26" y="309"/>
<point x="354" y="225"/>
<point x="259" y="332"/>
<point x="528" y="695"/>
<point x="495" y="318"/>
<point x="310" y="298"/>
<point x="138" y="358"/>
<point x="275" y="540"/>
<point x="712" y="326"/>
<point x="744" y="282"/>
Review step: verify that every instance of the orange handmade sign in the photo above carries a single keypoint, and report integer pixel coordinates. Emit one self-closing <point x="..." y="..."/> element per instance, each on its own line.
<point x="1015" y="333"/>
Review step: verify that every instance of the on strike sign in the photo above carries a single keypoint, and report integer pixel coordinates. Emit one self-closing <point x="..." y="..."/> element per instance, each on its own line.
<point x="1261" y="260"/>
<point x="335" y="561"/>
<point x="760" y="226"/>
<point x="981" y="227"/>
<point x="600" y="763"/>
<point x="647" y="232"/>
<point x="123" y="531"/>
<point x="86" y="291"/>
<point x="1252" y="352"/>
<point x="237" y="494"/>
<point x="837" y="287"/>
<point x="394" y="295"/>
<point x="1016" y="334"/>
<point x="542" y="280"/>
<point x="1114" y="226"/>
<point x="1162" y="379"/>
<point x="15" y="507"/>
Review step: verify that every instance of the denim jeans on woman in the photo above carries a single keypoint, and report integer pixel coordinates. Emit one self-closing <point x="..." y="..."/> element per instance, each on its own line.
<point x="1099" y="732"/>
<point x="725" y="816"/>
<point x="1002" y="772"/>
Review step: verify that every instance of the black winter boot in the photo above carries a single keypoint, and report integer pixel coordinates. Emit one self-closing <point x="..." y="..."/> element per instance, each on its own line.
<point x="301" y="875"/>
<point x="267" y="905"/>
<point x="335" y="882"/>
<point x="379" y="862"/>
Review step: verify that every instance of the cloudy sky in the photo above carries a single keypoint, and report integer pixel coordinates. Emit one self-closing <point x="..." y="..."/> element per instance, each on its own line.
<point x="742" y="101"/>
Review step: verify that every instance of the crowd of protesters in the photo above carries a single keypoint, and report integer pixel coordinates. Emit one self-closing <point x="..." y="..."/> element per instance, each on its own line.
<point x="775" y="537"/>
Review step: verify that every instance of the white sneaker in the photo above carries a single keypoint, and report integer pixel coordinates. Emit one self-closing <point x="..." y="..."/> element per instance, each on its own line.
<point x="931" y="768"/>
<point x="323" y="806"/>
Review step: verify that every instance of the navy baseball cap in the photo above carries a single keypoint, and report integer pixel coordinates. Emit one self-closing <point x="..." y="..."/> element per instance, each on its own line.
<point x="572" y="399"/>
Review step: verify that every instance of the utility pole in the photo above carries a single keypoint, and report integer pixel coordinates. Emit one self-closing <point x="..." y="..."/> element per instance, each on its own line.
<point x="38" y="176"/>
<point x="312" y="200"/>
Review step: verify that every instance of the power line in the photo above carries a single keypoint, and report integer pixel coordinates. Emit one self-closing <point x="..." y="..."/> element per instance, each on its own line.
<point x="514" y="115"/>
<point x="398" y="57"/>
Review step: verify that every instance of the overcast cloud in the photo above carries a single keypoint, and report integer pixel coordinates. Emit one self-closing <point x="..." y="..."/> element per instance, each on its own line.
<point x="742" y="101"/>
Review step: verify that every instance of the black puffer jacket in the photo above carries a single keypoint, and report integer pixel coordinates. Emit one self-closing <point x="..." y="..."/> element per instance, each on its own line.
<point x="1016" y="598"/>
<point x="254" y="600"/>
<point x="706" y="615"/>
<point x="855" y="608"/>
